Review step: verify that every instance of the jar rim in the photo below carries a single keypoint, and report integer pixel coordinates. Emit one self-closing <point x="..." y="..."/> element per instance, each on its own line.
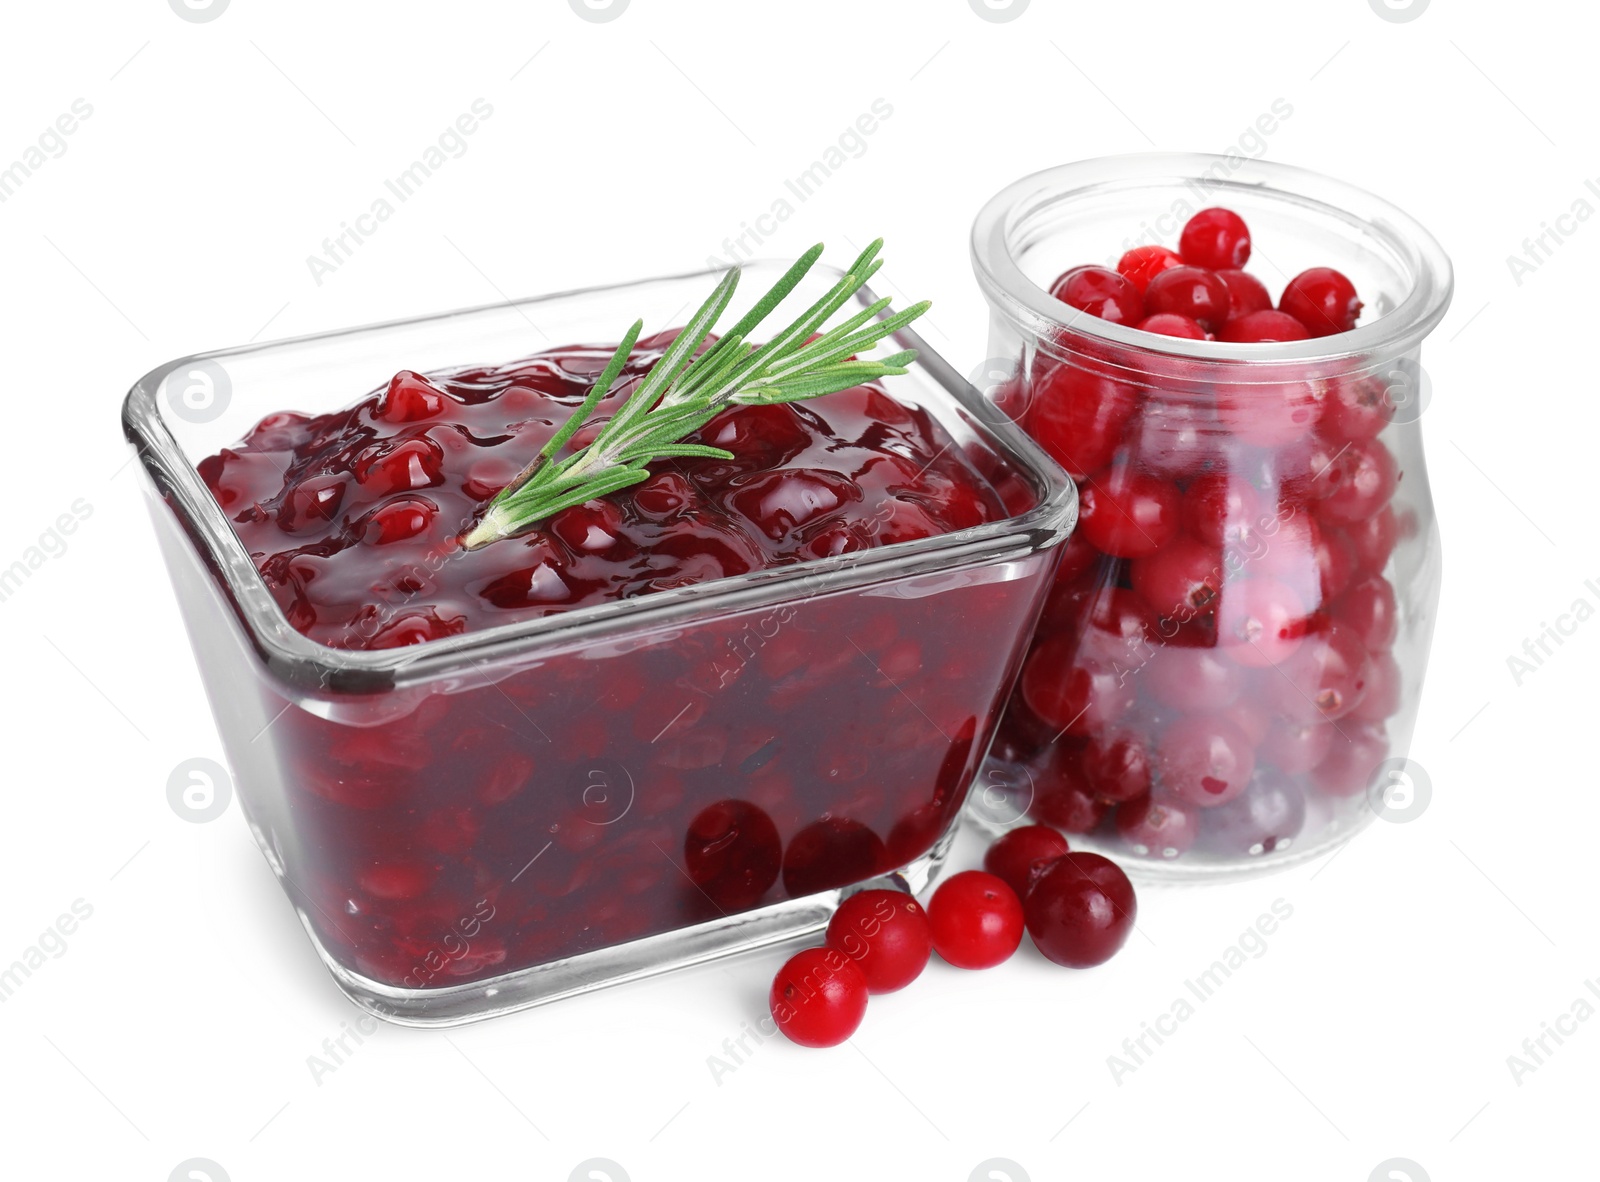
<point x="1008" y="288"/>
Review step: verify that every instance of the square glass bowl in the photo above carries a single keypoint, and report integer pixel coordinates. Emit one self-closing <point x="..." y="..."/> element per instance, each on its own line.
<point x="493" y="820"/>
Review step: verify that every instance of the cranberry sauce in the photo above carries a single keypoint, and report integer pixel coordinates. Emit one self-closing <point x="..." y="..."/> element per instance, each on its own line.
<point x="353" y="517"/>
<point x="573" y="798"/>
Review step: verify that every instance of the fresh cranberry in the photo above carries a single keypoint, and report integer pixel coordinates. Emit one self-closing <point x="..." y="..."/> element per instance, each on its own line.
<point x="1336" y="562"/>
<point x="1192" y="679"/>
<point x="1125" y="513"/>
<point x="1062" y="796"/>
<point x="1358" y="749"/>
<point x="1190" y="292"/>
<point x="831" y="853"/>
<point x="819" y="997"/>
<point x="1373" y="539"/>
<point x="1144" y="263"/>
<point x="1079" y="417"/>
<point x="1357" y="409"/>
<point x="976" y="920"/>
<point x="1176" y="437"/>
<point x="1370" y="611"/>
<point x="1246" y="293"/>
<point x="1265" y="819"/>
<point x="1204" y="759"/>
<point x="1181" y="579"/>
<point x="1260" y="327"/>
<point x="1101" y="293"/>
<point x="1018" y="854"/>
<point x="1117" y="766"/>
<point x="1159" y="828"/>
<point x="1269" y="414"/>
<point x="1215" y="238"/>
<point x="1382" y="699"/>
<point x="732" y="852"/>
<point x="1072" y="691"/>
<point x="1081" y="910"/>
<point x="1294" y="747"/>
<point x="1329" y="675"/>
<point x="1223" y="509"/>
<point x="1260" y="622"/>
<point x="1171" y="324"/>
<point x="1323" y="300"/>
<point x="886" y="933"/>
<point x="1367" y="477"/>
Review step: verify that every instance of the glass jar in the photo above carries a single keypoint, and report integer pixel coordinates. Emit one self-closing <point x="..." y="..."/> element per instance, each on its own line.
<point x="1232" y="655"/>
<point x="491" y="820"/>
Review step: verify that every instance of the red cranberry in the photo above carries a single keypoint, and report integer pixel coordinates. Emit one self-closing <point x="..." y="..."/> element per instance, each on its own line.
<point x="1192" y="679"/>
<point x="1336" y="562"/>
<point x="1358" y="749"/>
<point x="1079" y="417"/>
<point x="1246" y="293"/>
<point x="780" y="502"/>
<point x="1190" y="292"/>
<point x="1323" y="300"/>
<point x="1062" y="796"/>
<point x="732" y="853"/>
<point x="1170" y="324"/>
<point x="1127" y="514"/>
<point x="1081" y="910"/>
<point x="831" y="853"/>
<point x="1176" y="437"/>
<point x="1367" y="477"/>
<point x="1357" y="409"/>
<point x="1018" y="854"/>
<point x="409" y="398"/>
<point x="1215" y="238"/>
<point x="1382" y="699"/>
<point x="1372" y="540"/>
<point x="593" y="527"/>
<point x="1181" y="579"/>
<point x="312" y="502"/>
<point x="1329" y="674"/>
<point x="1101" y="293"/>
<point x="1117" y="766"/>
<point x="1370" y="611"/>
<point x="886" y="933"/>
<point x="1260" y="622"/>
<point x="1204" y="759"/>
<point x="1265" y="820"/>
<point x="1260" y="327"/>
<point x="1071" y="691"/>
<point x="1143" y="263"/>
<point x="1157" y="828"/>
<point x="1294" y="747"/>
<point x="819" y="997"/>
<point x="1269" y="414"/>
<point x="398" y="520"/>
<point x="399" y="465"/>
<point x="976" y="920"/>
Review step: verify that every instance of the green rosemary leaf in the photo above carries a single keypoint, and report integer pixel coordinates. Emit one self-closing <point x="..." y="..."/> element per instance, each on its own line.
<point x="690" y="384"/>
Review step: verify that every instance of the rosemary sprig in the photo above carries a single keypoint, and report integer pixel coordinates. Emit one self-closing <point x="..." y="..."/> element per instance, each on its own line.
<point x="686" y="388"/>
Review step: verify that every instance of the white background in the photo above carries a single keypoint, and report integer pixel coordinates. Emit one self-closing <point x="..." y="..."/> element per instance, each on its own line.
<point x="178" y="1022"/>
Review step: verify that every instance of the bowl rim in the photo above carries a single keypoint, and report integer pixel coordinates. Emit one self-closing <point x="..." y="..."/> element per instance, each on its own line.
<point x="1031" y="306"/>
<point x="309" y="665"/>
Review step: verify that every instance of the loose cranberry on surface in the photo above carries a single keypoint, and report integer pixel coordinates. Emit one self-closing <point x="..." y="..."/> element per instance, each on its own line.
<point x="1101" y="293"/>
<point x="976" y="919"/>
<point x="1323" y="300"/>
<point x="1246" y="293"/>
<point x="886" y="933"/>
<point x="1192" y="292"/>
<point x="1171" y="324"/>
<point x="1143" y="263"/>
<point x="1018" y="854"/>
<point x="1261" y="327"/>
<point x="1081" y="910"/>
<point x="819" y="997"/>
<point x="1215" y="238"/>
<point x="1125" y="513"/>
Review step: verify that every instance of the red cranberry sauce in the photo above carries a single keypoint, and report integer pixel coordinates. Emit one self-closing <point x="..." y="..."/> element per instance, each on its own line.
<point x="580" y="797"/>
<point x="353" y="517"/>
